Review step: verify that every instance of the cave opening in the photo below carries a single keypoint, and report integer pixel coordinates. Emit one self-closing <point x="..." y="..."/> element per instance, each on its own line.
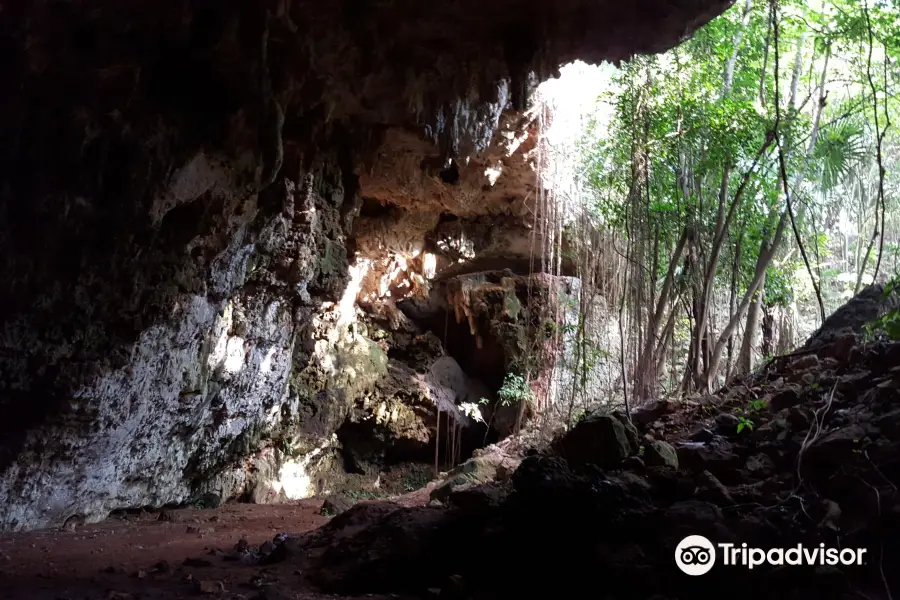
<point x="483" y="360"/>
<point x="213" y="214"/>
<point x="372" y="207"/>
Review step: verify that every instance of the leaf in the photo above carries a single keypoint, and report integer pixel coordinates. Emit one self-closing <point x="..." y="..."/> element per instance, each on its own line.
<point x="471" y="410"/>
<point x="892" y="328"/>
<point x="838" y="149"/>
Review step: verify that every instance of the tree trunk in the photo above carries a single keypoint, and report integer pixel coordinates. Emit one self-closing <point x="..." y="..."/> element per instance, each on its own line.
<point x="798" y="67"/>
<point x="732" y="299"/>
<point x="704" y="293"/>
<point x="732" y="61"/>
<point x="652" y="340"/>
<point x="766" y="254"/>
<point x="768" y="330"/>
<point x="745" y="357"/>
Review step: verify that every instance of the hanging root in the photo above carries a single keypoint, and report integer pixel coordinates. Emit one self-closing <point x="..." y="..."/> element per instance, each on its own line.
<point x="814" y="432"/>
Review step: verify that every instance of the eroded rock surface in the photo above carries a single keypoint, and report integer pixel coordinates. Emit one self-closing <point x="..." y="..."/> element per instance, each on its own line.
<point x="821" y="472"/>
<point x="179" y="180"/>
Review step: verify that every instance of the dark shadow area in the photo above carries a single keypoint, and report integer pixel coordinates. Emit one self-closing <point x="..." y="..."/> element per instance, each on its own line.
<point x="450" y="175"/>
<point x="372" y="208"/>
<point x="368" y="447"/>
<point x="484" y="362"/>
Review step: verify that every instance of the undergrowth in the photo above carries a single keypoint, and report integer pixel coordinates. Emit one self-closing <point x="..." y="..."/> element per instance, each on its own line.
<point x="887" y="324"/>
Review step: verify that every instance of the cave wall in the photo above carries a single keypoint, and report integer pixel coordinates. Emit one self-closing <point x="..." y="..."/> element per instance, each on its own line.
<point x="178" y="181"/>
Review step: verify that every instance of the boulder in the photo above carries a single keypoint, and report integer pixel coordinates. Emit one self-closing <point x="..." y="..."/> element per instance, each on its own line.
<point x="836" y="337"/>
<point x="695" y="517"/>
<point x="727" y="424"/>
<point x="715" y="456"/>
<point x="710" y="489"/>
<point x="486" y="468"/>
<point x="599" y="439"/>
<point x="658" y="453"/>
<point x="479" y="497"/>
<point x="634" y="437"/>
<point x="785" y="398"/>
<point x="759" y="466"/>
<point x="649" y="413"/>
<point x="803" y="363"/>
<point x="834" y="447"/>
<point x="337" y="504"/>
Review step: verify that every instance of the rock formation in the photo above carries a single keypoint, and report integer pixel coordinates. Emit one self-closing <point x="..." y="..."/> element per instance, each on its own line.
<point x="179" y="183"/>
<point x="804" y="451"/>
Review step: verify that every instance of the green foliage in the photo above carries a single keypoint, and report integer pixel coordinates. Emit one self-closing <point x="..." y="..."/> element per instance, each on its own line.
<point x="415" y="480"/>
<point x="756" y="405"/>
<point x="594" y="355"/>
<point x="837" y="150"/>
<point x="473" y="410"/>
<point x="745" y="420"/>
<point x="286" y="447"/>
<point x="682" y="142"/>
<point x="514" y="390"/>
<point x="779" y="289"/>
<point x="887" y="324"/>
<point x="891" y="287"/>
<point x="551" y="328"/>
<point x="364" y="495"/>
<point x="580" y="415"/>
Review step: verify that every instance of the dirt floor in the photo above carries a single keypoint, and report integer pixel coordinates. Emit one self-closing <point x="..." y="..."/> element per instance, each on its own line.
<point x="139" y="556"/>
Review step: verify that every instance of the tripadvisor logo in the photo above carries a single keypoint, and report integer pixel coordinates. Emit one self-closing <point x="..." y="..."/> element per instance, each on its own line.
<point x="696" y="555"/>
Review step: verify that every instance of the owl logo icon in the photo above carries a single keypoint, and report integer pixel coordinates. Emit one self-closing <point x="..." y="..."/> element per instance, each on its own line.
<point x="695" y="555"/>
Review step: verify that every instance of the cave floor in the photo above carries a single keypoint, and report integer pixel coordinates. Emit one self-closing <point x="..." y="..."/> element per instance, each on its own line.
<point x="118" y="559"/>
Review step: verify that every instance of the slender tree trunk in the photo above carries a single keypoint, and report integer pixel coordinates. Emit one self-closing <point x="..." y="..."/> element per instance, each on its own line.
<point x="652" y="338"/>
<point x="745" y="358"/>
<point x="704" y="298"/>
<point x="862" y="259"/>
<point x="664" y="342"/>
<point x="732" y="61"/>
<point x="766" y="254"/>
<point x="785" y="338"/>
<point x="732" y="300"/>
<point x="765" y="66"/>
<point x="798" y="68"/>
<point x="622" y="343"/>
<point x="768" y="330"/>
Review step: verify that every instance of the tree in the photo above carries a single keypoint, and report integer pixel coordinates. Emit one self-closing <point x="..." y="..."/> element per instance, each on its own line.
<point x="722" y="171"/>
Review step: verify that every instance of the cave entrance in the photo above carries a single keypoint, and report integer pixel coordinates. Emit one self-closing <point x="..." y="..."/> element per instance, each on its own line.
<point x="484" y="364"/>
<point x="484" y="361"/>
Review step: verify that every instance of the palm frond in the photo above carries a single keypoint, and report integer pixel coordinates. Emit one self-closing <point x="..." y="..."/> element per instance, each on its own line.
<point x="839" y="148"/>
